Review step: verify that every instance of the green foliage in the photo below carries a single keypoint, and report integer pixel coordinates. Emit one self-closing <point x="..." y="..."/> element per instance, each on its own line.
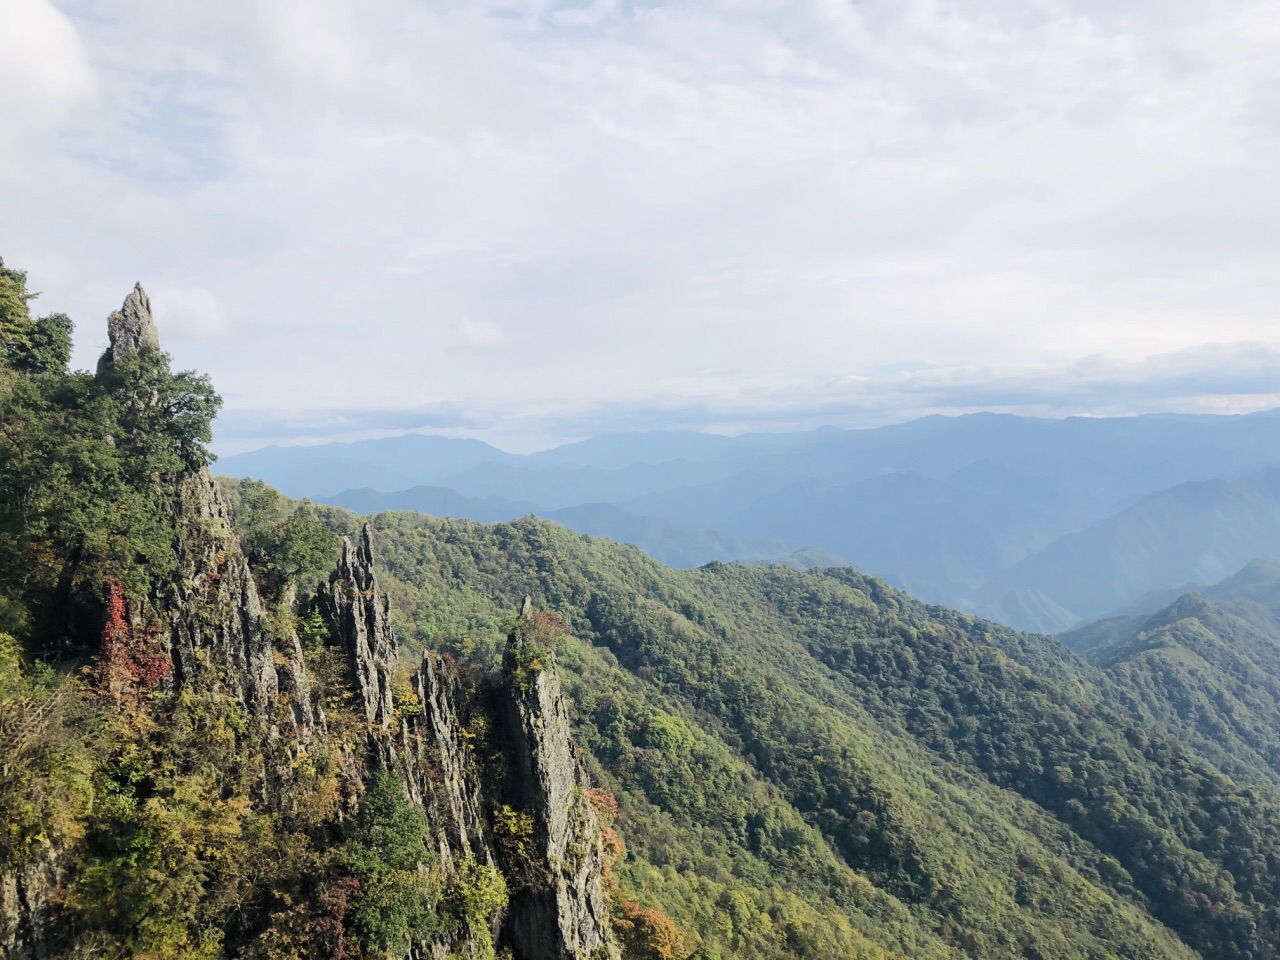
<point x="476" y="894"/>
<point x="49" y="351"/>
<point x="668" y="733"/>
<point x="88" y="467"/>
<point x="313" y="631"/>
<point x="1209" y="677"/>
<point x="513" y="831"/>
<point x="286" y="542"/>
<point x="15" y="314"/>
<point x="533" y="651"/>
<point x="395" y="904"/>
<point x="922" y="781"/>
<point x="46" y="756"/>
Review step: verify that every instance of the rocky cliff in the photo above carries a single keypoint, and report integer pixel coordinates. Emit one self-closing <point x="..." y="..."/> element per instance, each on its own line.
<point x="559" y="910"/>
<point x="464" y="745"/>
<point x="566" y="914"/>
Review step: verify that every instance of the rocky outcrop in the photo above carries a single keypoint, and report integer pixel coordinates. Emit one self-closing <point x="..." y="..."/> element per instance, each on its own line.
<point x="131" y="328"/>
<point x="293" y="680"/>
<point x="562" y="912"/>
<point x="210" y="611"/>
<point x="359" y="616"/>
<point x="444" y="774"/>
<point x="29" y="912"/>
<point x="565" y="915"/>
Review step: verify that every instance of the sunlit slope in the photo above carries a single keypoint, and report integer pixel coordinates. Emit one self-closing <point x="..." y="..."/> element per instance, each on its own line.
<point x="987" y="784"/>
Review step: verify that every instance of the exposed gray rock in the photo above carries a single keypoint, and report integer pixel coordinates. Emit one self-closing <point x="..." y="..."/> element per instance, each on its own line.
<point x="131" y="329"/>
<point x="360" y="617"/>
<point x="209" y="615"/>
<point x="445" y="773"/>
<point x="29" y="909"/>
<point x="566" y="915"/>
<point x="293" y="681"/>
<point x="211" y="612"/>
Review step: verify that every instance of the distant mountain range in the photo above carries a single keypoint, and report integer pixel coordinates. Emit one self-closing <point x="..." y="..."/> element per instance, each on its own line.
<point x="1037" y="523"/>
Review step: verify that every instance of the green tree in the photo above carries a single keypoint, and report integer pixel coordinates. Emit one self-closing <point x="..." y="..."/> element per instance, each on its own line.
<point x="15" y="312"/>
<point x="387" y="854"/>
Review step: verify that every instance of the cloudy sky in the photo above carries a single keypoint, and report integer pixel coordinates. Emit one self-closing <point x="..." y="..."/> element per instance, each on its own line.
<point x="532" y="221"/>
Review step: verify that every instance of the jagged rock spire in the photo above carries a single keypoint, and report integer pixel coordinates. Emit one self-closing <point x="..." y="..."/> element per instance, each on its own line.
<point x="359" y="615"/>
<point x="568" y="917"/>
<point x="131" y="328"/>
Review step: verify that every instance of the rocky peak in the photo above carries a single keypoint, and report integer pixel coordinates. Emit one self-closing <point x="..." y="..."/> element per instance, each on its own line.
<point x="359" y="616"/>
<point x="131" y="329"/>
<point x="567" y="918"/>
<point x="439" y="765"/>
<point x="211" y="613"/>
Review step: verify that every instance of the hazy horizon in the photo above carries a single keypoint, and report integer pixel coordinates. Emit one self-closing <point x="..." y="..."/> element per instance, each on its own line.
<point x="248" y="446"/>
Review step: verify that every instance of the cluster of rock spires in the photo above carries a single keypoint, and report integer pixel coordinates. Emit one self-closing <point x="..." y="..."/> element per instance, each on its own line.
<point x="214" y="628"/>
<point x="564" y="914"/>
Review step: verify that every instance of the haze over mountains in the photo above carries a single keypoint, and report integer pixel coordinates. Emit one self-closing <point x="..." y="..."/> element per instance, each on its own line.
<point x="1037" y="523"/>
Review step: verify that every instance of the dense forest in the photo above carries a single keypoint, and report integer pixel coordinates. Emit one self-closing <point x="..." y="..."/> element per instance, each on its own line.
<point x="234" y="724"/>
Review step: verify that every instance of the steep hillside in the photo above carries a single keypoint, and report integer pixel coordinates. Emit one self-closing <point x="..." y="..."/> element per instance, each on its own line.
<point x="958" y="767"/>
<point x="1253" y="594"/>
<point x="1208" y="677"/>
<point x="1205" y="668"/>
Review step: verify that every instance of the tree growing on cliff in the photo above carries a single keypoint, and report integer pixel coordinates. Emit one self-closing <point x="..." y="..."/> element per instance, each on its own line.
<point x="395" y="905"/>
<point x="88" y="465"/>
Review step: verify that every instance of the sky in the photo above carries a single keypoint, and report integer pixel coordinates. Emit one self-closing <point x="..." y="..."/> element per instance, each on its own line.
<point x="531" y="222"/>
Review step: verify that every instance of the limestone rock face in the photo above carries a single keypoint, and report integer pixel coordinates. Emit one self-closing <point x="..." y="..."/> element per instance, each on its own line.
<point x="28" y="909"/>
<point x="211" y="612"/>
<point x="443" y="772"/>
<point x="360" y="617"/>
<point x="208" y="615"/>
<point x="131" y="328"/>
<point x="568" y="919"/>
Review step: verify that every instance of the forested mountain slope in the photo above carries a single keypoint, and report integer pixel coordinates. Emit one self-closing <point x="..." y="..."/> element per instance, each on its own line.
<point x="989" y="782"/>
<point x="1206" y="667"/>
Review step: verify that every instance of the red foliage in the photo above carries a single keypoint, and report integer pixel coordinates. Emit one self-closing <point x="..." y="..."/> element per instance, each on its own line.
<point x="549" y="622"/>
<point x="115" y="632"/>
<point x="336" y="900"/>
<point x="135" y="664"/>
<point x="649" y="934"/>
<point x="605" y="804"/>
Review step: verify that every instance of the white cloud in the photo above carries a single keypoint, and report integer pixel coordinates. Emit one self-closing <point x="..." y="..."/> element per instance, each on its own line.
<point x="190" y="313"/>
<point x="1222" y="378"/>
<point x="44" y="72"/>
<point x="480" y="335"/>
<point x="661" y="198"/>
